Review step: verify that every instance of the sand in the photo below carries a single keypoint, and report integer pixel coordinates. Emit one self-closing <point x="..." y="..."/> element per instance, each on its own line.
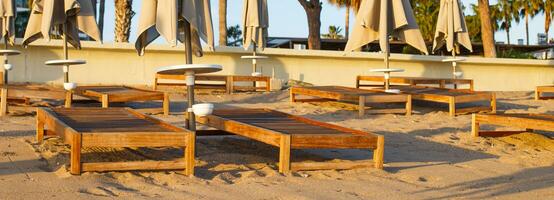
<point x="427" y="156"/>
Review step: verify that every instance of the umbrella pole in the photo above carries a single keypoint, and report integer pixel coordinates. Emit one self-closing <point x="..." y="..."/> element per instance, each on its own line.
<point x="254" y="63"/>
<point x="190" y="78"/>
<point x="454" y="68"/>
<point x="65" y="54"/>
<point x="5" y="62"/>
<point x="387" y="74"/>
<point x="4" y="89"/>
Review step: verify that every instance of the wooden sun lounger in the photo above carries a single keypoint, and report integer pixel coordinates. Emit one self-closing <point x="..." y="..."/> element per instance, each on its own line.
<point x="25" y="93"/>
<point x="452" y="97"/>
<point x="413" y="81"/>
<point x="224" y="82"/>
<point x="293" y="132"/>
<point x="359" y="96"/>
<point x="529" y="122"/>
<point x="543" y="89"/>
<point x="118" y="94"/>
<point x="115" y="128"/>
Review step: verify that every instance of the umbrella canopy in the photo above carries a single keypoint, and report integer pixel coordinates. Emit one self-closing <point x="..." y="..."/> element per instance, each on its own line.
<point x="255" y="21"/>
<point x="380" y="19"/>
<point x="76" y="15"/>
<point x="166" y="17"/>
<point x="451" y="27"/>
<point x="7" y="12"/>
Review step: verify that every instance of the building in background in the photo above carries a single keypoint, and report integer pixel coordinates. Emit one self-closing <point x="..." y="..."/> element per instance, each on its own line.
<point x="542" y="39"/>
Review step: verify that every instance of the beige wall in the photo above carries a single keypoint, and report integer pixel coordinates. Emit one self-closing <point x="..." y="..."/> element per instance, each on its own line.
<point x="120" y="64"/>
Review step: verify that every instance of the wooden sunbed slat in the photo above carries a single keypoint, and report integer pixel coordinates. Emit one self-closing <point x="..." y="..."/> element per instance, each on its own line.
<point x="115" y="127"/>
<point x="353" y="95"/>
<point x="114" y="94"/>
<point x="528" y="122"/>
<point x="288" y="131"/>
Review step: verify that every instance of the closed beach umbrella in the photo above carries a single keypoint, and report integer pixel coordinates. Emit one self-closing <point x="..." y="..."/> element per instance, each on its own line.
<point x="255" y="21"/>
<point x="451" y="29"/>
<point x="65" y="17"/>
<point x="378" y="20"/>
<point x="187" y="21"/>
<point x="167" y="18"/>
<point x="7" y="12"/>
<point x="73" y="16"/>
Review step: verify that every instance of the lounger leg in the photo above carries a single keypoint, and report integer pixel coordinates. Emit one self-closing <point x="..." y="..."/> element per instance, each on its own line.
<point x="166" y="103"/>
<point x="68" y="99"/>
<point x="105" y="101"/>
<point x="3" y="101"/>
<point x="230" y="85"/>
<point x="358" y="82"/>
<point x="292" y="96"/>
<point x="409" y="105"/>
<point x="474" y="126"/>
<point x="284" y="154"/>
<point x="471" y="85"/>
<point x="379" y="152"/>
<point x="361" y="106"/>
<point x="76" y="154"/>
<point x="268" y="85"/>
<point x="155" y="87"/>
<point x="493" y="103"/>
<point x="189" y="155"/>
<point x="452" y="106"/>
<point x="537" y="94"/>
<point x="40" y="128"/>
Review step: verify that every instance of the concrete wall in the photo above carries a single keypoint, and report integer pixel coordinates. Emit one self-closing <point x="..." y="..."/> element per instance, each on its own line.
<point x="120" y="64"/>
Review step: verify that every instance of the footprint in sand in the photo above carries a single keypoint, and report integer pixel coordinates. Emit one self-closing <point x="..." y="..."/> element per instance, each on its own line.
<point x="100" y="191"/>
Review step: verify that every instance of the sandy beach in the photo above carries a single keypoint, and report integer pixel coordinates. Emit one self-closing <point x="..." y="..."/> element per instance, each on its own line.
<point x="427" y="156"/>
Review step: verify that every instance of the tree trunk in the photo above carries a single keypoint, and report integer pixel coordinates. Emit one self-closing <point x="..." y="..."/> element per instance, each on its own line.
<point x="102" y="10"/>
<point x="508" y="34"/>
<point x="527" y="27"/>
<point x="487" y="33"/>
<point x="222" y="22"/>
<point x="313" y="12"/>
<point x="123" y="15"/>
<point x="347" y="22"/>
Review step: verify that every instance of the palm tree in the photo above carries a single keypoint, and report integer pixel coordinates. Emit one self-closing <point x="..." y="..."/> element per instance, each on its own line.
<point x="426" y="13"/>
<point x="123" y="15"/>
<point x="334" y="33"/>
<point x="508" y="13"/>
<point x="548" y="15"/>
<point x="234" y="33"/>
<point x="348" y="4"/>
<point x="101" y="11"/>
<point x="222" y="22"/>
<point x="313" y="12"/>
<point x="487" y="31"/>
<point x="528" y="9"/>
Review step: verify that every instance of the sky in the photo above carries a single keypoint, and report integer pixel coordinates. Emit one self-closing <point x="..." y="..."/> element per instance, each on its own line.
<point x="288" y="19"/>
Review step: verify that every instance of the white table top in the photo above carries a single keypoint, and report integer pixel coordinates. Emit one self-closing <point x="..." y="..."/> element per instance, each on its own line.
<point x="254" y="57"/>
<point x="9" y="52"/>
<point x="453" y="60"/>
<point x="386" y="70"/>
<point x="65" y="62"/>
<point x="183" y="69"/>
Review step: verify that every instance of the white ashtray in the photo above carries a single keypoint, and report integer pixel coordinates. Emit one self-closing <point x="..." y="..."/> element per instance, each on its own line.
<point x="203" y="109"/>
<point x="458" y="74"/>
<point x="393" y="91"/>
<point x="8" y="67"/>
<point x="69" y="86"/>
<point x="256" y="74"/>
